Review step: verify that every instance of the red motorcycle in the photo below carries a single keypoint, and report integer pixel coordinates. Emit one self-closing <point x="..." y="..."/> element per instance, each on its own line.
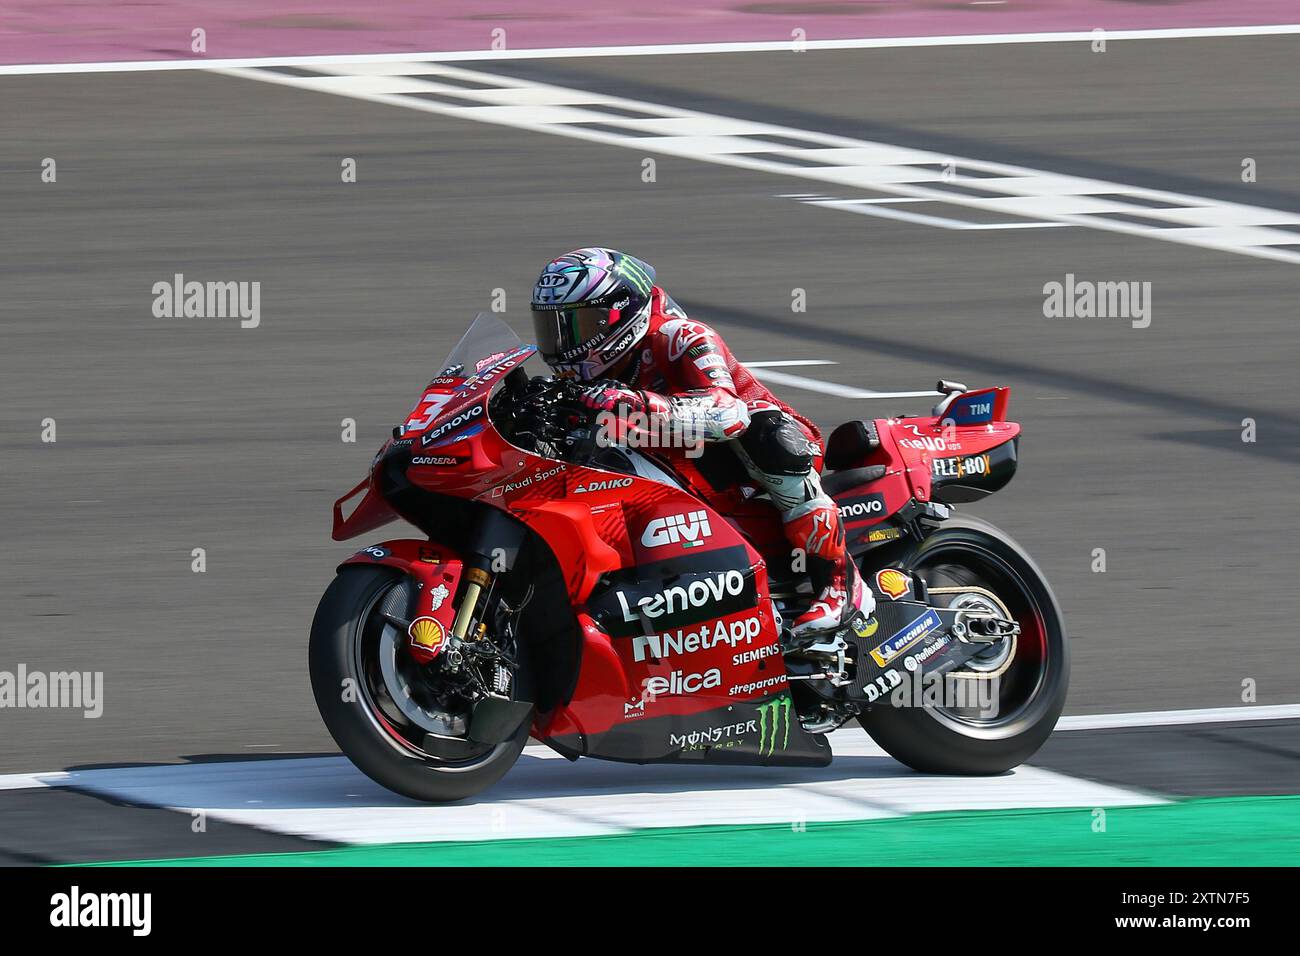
<point x="619" y="603"/>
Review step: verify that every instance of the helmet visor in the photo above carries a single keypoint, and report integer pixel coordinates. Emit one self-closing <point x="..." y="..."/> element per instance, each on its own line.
<point x="565" y="335"/>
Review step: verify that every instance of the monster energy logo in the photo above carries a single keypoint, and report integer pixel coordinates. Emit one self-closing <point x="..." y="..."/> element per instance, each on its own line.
<point x="775" y="714"/>
<point x="633" y="272"/>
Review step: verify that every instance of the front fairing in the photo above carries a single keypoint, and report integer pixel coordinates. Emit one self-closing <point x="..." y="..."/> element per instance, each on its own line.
<point x="438" y="432"/>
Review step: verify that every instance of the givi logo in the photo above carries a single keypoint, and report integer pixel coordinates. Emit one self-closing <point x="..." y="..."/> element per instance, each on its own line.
<point x="688" y="530"/>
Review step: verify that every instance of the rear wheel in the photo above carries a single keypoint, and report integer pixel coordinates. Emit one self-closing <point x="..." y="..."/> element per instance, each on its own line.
<point x="970" y="563"/>
<point x="402" y="725"/>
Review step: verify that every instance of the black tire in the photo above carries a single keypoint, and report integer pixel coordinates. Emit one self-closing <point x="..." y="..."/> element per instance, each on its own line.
<point x="967" y="551"/>
<point x="345" y="612"/>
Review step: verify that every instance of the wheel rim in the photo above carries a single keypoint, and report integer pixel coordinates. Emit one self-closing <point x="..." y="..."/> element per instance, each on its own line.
<point x="1022" y="677"/>
<point x="393" y="702"/>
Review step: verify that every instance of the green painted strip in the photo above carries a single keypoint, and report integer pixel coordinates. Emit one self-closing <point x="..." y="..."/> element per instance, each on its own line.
<point x="1218" y="831"/>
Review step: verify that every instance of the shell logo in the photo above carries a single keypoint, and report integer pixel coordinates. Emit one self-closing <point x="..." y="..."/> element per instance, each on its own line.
<point x="892" y="582"/>
<point x="427" y="633"/>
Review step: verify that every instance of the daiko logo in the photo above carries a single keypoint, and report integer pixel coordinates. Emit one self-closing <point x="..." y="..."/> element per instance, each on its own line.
<point x="688" y="530"/>
<point x="606" y="485"/>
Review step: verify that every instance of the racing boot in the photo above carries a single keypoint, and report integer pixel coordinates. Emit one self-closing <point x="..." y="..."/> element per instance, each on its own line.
<point x="841" y="594"/>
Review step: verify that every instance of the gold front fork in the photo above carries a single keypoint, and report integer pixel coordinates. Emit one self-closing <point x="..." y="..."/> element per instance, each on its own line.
<point x="478" y="580"/>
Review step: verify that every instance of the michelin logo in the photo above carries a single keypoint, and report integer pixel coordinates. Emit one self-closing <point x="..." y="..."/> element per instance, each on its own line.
<point x="923" y="625"/>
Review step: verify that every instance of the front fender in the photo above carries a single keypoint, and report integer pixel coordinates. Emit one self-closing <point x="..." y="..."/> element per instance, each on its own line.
<point x="405" y="554"/>
<point x="436" y="570"/>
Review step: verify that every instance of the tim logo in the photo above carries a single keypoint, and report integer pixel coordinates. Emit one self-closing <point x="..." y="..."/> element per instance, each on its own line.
<point x="972" y="409"/>
<point x="688" y="530"/>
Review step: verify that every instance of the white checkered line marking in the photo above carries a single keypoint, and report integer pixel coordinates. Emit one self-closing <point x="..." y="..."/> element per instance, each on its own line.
<point x="860" y="164"/>
<point x="872" y="207"/>
<point x="326" y="798"/>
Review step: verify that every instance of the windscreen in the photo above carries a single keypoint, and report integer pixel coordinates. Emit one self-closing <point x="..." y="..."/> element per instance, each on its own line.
<point x="487" y="340"/>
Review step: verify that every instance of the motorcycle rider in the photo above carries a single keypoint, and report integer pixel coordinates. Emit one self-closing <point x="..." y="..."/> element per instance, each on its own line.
<point x="599" y="316"/>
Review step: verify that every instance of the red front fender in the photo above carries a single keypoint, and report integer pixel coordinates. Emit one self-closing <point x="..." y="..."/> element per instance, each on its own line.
<point x="436" y="570"/>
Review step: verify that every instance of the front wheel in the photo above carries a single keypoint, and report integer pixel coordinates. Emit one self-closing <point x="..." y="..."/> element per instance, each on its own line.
<point x="970" y="563"/>
<point x="400" y="725"/>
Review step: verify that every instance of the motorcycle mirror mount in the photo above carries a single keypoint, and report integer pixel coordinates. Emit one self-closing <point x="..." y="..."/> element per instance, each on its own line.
<point x="950" y="390"/>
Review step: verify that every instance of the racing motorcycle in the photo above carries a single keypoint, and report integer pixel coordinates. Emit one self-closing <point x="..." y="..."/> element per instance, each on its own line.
<point x="612" y="601"/>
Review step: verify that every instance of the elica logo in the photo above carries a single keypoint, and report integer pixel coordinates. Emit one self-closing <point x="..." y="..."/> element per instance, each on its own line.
<point x="856" y="508"/>
<point x="683" y="598"/>
<point x="679" y="682"/>
<point x="688" y="530"/>
<point x="609" y="485"/>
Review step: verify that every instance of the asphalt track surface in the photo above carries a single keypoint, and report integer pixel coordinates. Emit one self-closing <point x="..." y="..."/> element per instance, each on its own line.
<point x="179" y="434"/>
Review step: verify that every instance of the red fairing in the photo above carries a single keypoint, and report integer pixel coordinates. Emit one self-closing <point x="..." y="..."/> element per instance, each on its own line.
<point x="370" y="513"/>
<point x="706" y="665"/>
<point x="917" y="452"/>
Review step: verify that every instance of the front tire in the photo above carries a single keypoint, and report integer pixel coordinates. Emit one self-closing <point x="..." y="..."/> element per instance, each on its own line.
<point x="966" y="553"/>
<point x="350" y="695"/>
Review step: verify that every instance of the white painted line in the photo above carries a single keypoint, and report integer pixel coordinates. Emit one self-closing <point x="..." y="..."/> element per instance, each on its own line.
<point x="789" y="362"/>
<point x="871" y="207"/>
<point x="33" y="781"/>
<point x="1170" y="718"/>
<point x="831" y="388"/>
<point x="664" y="49"/>
<point x="1005" y="190"/>
<point x="329" y="799"/>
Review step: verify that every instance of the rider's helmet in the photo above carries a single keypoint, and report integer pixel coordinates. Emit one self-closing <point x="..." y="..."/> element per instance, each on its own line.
<point x="591" y="309"/>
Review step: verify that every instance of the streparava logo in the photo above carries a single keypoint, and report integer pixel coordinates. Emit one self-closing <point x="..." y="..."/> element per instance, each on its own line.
<point x="773" y="722"/>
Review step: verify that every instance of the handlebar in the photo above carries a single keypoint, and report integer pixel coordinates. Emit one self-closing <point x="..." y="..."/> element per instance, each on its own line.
<point x="548" y="412"/>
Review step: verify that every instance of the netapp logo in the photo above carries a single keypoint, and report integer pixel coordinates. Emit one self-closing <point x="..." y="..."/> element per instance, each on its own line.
<point x="697" y="594"/>
<point x="868" y="506"/>
<point x="656" y="646"/>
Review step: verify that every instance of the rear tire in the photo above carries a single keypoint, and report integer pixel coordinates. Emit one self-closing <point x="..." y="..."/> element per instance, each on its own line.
<point x="967" y="551"/>
<point x="340" y="636"/>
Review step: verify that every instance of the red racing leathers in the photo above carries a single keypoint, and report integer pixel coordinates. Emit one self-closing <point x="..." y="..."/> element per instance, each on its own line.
<point x="685" y="376"/>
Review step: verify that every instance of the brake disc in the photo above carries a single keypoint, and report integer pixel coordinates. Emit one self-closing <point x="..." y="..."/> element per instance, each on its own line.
<point x="438" y="723"/>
